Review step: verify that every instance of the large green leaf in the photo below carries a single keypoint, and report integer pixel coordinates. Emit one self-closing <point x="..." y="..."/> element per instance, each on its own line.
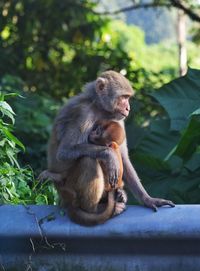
<point x="180" y="188"/>
<point x="152" y="149"/>
<point x="189" y="140"/>
<point x="150" y="161"/>
<point x="134" y="134"/>
<point x="193" y="163"/>
<point x="167" y="157"/>
<point x="159" y="141"/>
<point x="180" y="98"/>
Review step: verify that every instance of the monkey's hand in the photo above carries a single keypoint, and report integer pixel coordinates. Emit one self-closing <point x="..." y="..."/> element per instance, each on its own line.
<point x="153" y="203"/>
<point x="112" y="167"/>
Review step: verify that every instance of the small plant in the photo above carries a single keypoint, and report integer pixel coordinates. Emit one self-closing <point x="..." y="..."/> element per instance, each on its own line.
<point x="17" y="185"/>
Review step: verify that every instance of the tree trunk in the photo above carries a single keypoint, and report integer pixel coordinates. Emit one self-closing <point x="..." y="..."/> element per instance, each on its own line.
<point x="181" y="39"/>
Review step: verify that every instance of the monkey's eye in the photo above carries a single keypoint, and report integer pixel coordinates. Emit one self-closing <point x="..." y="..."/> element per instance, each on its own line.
<point x="95" y="127"/>
<point x="126" y="96"/>
<point x="98" y="130"/>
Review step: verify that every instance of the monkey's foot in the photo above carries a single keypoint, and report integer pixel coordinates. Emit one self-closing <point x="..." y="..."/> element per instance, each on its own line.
<point x="47" y="175"/>
<point x="43" y="176"/>
<point x="119" y="208"/>
<point x="121" y="195"/>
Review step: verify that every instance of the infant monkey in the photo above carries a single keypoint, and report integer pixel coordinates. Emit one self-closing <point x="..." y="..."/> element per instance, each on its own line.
<point x="105" y="133"/>
<point x="110" y="134"/>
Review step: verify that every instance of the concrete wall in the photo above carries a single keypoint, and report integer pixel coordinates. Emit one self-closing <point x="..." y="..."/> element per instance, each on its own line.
<point x="43" y="238"/>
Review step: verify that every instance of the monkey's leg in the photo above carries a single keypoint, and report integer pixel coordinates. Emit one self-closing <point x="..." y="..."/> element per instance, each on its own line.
<point x="67" y="195"/>
<point x="120" y="207"/>
<point x="90" y="184"/>
<point x="121" y="200"/>
<point x="120" y="196"/>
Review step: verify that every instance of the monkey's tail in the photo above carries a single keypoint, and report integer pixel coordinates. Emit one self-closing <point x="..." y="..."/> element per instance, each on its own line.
<point x="91" y="219"/>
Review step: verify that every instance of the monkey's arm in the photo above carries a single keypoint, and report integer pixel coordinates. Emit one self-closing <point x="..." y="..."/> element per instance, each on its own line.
<point x="131" y="178"/>
<point x="105" y="154"/>
<point x="79" y="150"/>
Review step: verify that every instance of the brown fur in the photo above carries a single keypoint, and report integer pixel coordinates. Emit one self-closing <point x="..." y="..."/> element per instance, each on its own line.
<point x="111" y="135"/>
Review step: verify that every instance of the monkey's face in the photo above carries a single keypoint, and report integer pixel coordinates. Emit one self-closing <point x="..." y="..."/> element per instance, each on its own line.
<point x="95" y="135"/>
<point x="118" y="106"/>
<point x="98" y="136"/>
<point x="122" y="106"/>
<point x="113" y="92"/>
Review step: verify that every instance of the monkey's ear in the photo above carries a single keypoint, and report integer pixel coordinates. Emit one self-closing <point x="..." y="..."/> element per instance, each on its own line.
<point x="100" y="84"/>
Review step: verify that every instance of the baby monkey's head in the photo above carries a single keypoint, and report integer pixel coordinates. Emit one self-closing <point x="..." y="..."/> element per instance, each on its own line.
<point x="105" y="132"/>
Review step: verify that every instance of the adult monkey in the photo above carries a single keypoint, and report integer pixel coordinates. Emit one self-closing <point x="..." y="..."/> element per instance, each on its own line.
<point x="69" y="153"/>
<point x="104" y="133"/>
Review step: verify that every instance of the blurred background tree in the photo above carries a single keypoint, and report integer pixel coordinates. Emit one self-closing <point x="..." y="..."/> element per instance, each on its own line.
<point x="49" y="49"/>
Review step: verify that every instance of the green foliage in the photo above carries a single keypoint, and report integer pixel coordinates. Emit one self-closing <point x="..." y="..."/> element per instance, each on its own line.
<point x="180" y="98"/>
<point x="17" y="184"/>
<point x="167" y="155"/>
<point x="47" y="41"/>
<point x="35" y="115"/>
<point x="8" y="140"/>
<point x="48" y="50"/>
<point x="73" y="51"/>
<point x="55" y="64"/>
<point x="79" y="45"/>
<point x="34" y="119"/>
<point x="189" y="140"/>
